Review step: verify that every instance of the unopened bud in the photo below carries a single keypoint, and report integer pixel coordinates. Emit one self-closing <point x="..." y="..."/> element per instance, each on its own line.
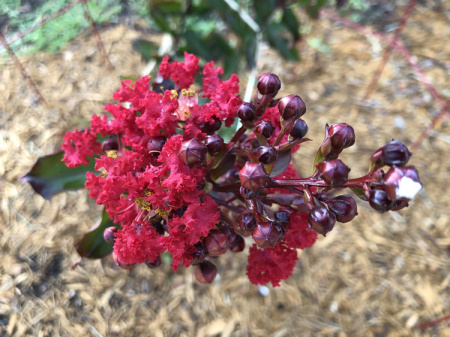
<point x="120" y="264"/>
<point x="395" y="153"/>
<point x="344" y="207"/>
<point x="268" y="234"/>
<point x="321" y="220"/>
<point x="379" y="200"/>
<point x="218" y="241"/>
<point x="155" y="145"/>
<point x="200" y="254"/>
<point x="238" y="244"/>
<point x="268" y="84"/>
<point x="247" y="221"/>
<point x="334" y="172"/>
<point x="210" y="128"/>
<point x="246" y="112"/>
<point x="254" y="177"/>
<point x="205" y="272"/>
<point x="291" y="106"/>
<point x="299" y="130"/>
<point x="214" y="143"/>
<point x="154" y="264"/>
<point x="402" y="183"/>
<point x="192" y="152"/>
<point x="110" y="144"/>
<point x="108" y="234"/>
<point x="341" y="135"/>
<point x="265" y="128"/>
<point x="282" y="216"/>
<point x="267" y="154"/>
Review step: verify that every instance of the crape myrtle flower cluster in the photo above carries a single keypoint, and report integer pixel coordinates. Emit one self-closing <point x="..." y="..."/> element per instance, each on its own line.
<point x="174" y="185"/>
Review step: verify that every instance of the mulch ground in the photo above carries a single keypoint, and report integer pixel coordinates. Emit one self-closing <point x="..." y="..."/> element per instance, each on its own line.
<point x="379" y="275"/>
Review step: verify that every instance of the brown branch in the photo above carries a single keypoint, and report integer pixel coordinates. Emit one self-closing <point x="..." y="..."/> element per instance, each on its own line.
<point x="388" y="50"/>
<point x="100" y="44"/>
<point x="22" y="69"/>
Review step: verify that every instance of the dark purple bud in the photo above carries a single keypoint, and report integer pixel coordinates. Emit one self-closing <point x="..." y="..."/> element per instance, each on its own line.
<point x="268" y="234"/>
<point x="321" y="220"/>
<point x="341" y="135"/>
<point x="200" y="254"/>
<point x="399" y="204"/>
<point x="251" y="144"/>
<point x="265" y="128"/>
<point x="254" y="177"/>
<point x="334" y="172"/>
<point x="379" y="200"/>
<point x="344" y="207"/>
<point x="154" y="264"/>
<point x="395" y="153"/>
<point x="218" y="241"/>
<point x="282" y="216"/>
<point x="192" y="152"/>
<point x="268" y="84"/>
<point x="155" y="145"/>
<point x="108" y="234"/>
<point x="267" y="154"/>
<point x="205" y="272"/>
<point x="210" y="128"/>
<point x="214" y="143"/>
<point x="402" y="183"/>
<point x="120" y="264"/>
<point x="299" y="130"/>
<point x="291" y="106"/>
<point x="238" y="244"/>
<point x="248" y="194"/>
<point x="246" y="112"/>
<point x="247" y="221"/>
<point x="110" y="144"/>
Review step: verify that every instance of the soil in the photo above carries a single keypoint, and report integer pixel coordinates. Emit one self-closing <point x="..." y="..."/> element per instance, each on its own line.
<point x="379" y="275"/>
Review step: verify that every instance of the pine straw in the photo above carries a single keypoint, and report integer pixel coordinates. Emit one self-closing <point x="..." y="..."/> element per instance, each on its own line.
<point x="380" y="275"/>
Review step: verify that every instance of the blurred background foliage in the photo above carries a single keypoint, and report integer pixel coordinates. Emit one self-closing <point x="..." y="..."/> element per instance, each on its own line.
<point x="226" y="31"/>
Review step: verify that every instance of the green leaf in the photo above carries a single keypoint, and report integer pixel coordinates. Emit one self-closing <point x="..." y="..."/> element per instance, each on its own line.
<point x="359" y="193"/>
<point x="320" y="157"/>
<point x="92" y="245"/>
<point x="50" y="175"/>
<point x="290" y="21"/>
<point x="274" y="33"/>
<point x="147" y="49"/>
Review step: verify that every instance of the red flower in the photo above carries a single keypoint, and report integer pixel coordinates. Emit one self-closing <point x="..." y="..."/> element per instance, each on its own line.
<point x="270" y="264"/>
<point x="182" y="73"/>
<point x="299" y="235"/>
<point x="77" y="146"/>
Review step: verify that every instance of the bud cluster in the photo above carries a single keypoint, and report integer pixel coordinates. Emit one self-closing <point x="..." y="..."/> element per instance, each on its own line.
<point x="175" y="185"/>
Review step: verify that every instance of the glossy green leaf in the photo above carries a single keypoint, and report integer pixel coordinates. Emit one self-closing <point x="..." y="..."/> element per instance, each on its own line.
<point x="92" y="245"/>
<point x="50" y="175"/>
<point x="359" y="193"/>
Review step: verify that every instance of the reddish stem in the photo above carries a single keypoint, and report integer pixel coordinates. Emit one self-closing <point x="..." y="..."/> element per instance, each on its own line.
<point x="358" y="182"/>
<point x="433" y="323"/>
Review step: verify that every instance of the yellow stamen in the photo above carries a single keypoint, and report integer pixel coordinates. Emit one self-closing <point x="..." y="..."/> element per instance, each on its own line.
<point x="112" y="154"/>
<point x="147" y="193"/>
<point x="190" y="93"/>
<point x="162" y="212"/>
<point x="173" y="94"/>
<point x="143" y="204"/>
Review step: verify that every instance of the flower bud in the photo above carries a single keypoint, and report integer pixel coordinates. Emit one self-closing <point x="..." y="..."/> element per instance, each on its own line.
<point x="200" y="254"/>
<point x="395" y="153"/>
<point x="321" y="220"/>
<point x="214" y="143"/>
<point x="218" y="241"/>
<point x="291" y="106"/>
<point x="246" y="112"/>
<point x="210" y="128"/>
<point x="268" y="234"/>
<point x="265" y="128"/>
<point x="334" y="172"/>
<point x="267" y="154"/>
<point x="253" y="176"/>
<point x="344" y="207"/>
<point x="247" y="221"/>
<point x="155" y="264"/>
<point x="205" y="272"/>
<point x="155" y="145"/>
<point x="299" y="130"/>
<point x="341" y="135"/>
<point x="110" y="144"/>
<point x="402" y="183"/>
<point x="379" y="200"/>
<point x="282" y="216"/>
<point x="268" y="84"/>
<point x="238" y="244"/>
<point x="108" y="234"/>
<point x="120" y="264"/>
<point x="192" y="152"/>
